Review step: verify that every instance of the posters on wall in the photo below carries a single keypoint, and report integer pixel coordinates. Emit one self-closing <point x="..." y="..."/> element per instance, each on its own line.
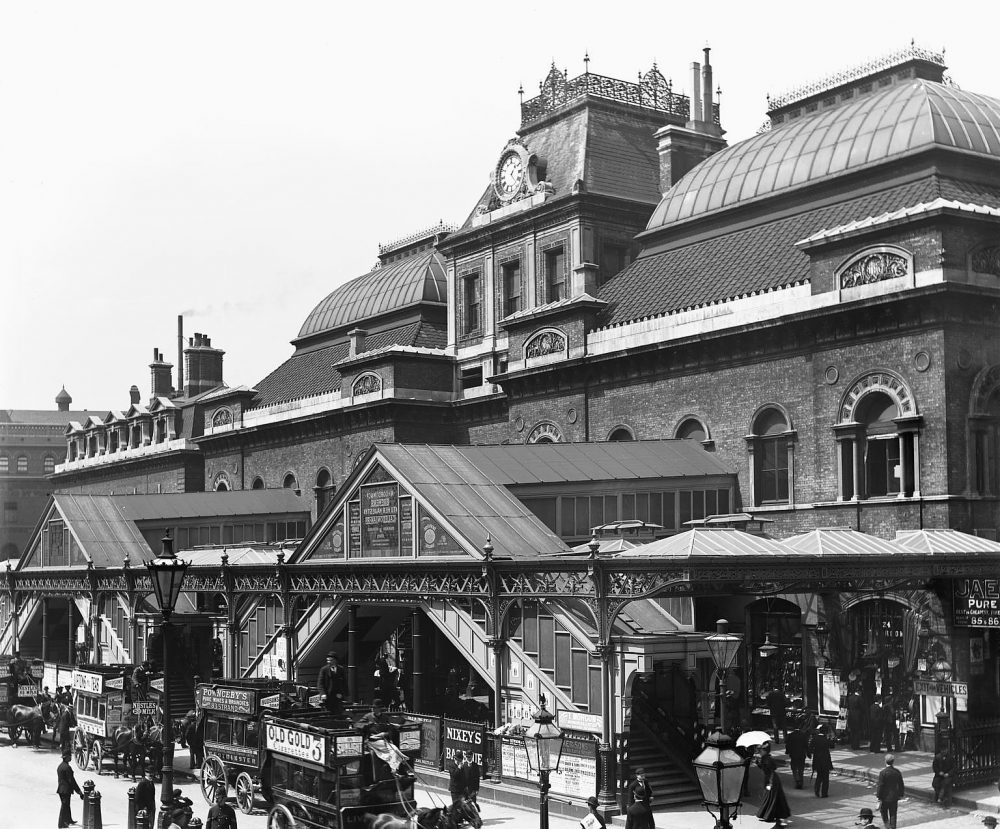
<point x="430" y="738"/>
<point x="976" y="603"/>
<point x="829" y="691"/>
<point x="380" y="520"/>
<point x="435" y="540"/>
<point x="577" y="775"/>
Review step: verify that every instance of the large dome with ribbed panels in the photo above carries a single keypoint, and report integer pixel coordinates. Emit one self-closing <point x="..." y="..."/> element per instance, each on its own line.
<point x="904" y="119"/>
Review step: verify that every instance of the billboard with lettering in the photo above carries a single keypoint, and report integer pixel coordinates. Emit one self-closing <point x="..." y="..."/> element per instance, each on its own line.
<point x="977" y="603"/>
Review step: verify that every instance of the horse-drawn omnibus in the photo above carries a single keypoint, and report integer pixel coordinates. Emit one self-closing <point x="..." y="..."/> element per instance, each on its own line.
<point x="109" y="721"/>
<point x="24" y="709"/>
<point x="324" y="771"/>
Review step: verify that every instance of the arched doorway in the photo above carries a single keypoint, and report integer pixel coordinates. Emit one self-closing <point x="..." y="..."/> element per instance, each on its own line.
<point x="774" y="660"/>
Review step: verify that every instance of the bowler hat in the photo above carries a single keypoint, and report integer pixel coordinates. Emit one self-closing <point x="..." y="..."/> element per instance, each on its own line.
<point x="866" y="812"/>
<point x="640" y="771"/>
<point x="592" y="802"/>
<point x="989" y="820"/>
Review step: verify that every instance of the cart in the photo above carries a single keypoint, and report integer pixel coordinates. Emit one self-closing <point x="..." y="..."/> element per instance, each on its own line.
<point x="228" y="720"/>
<point x="102" y="702"/>
<point x="324" y="771"/>
<point x="24" y="689"/>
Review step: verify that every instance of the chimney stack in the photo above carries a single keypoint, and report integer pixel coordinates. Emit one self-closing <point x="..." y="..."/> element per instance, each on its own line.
<point x="134" y="396"/>
<point x="203" y="365"/>
<point x="696" y="92"/>
<point x="706" y="81"/>
<point x="180" y="352"/>
<point x="160" y="372"/>
<point x="357" y="337"/>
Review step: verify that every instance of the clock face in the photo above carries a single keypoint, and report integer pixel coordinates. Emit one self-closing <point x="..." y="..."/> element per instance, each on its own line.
<point x="510" y="174"/>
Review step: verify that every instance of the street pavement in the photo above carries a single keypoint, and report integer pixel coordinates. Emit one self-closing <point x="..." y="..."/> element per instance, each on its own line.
<point x="28" y="800"/>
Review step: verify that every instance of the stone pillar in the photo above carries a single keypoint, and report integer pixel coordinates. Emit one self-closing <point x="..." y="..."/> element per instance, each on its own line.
<point x="352" y="652"/>
<point x="498" y="647"/>
<point x="417" y="668"/>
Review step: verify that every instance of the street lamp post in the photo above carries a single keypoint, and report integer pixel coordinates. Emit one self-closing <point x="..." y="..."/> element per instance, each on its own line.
<point x="724" y="647"/>
<point x="721" y="772"/>
<point x="822" y="638"/>
<point x="166" y="572"/>
<point x="942" y="672"/>
<point x="543" y="743"/>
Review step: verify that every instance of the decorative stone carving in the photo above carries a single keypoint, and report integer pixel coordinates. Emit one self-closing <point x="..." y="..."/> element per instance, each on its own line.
<point x="547" y="342"/>
<point x="545" y="432"/>
<point x="875" y="267"/>
<point x="223" y="417"/>
<point x="878" y="381"/>
<point x="367" y="384"/>
<point x="987" y="260"/>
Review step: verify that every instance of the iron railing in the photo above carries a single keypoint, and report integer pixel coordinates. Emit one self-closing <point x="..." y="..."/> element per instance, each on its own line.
<point x="977" y="752"/>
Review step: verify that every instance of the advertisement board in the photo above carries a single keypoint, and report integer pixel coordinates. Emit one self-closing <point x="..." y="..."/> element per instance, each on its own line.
<point x="577" y="775"/>
<point x="88" y="682"/>
<point x="380" y="520"/>
<point x="977" y="603"/>
<point x="229" y="700"/>
<point x="462" y="736"/>
<point x="430" y="739"/>
<point x="294" y="743"/>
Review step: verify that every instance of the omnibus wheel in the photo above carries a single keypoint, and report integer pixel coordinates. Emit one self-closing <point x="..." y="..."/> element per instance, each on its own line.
<point x="244" y="793"/>
<point x="280" y="818"/>
<point x="97" y="755"/>
<point x="82" y="756"/>
<point x="213" y="773"/>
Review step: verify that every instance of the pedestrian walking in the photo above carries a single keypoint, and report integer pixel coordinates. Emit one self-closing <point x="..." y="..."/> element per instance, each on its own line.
<point x="866" y="817"/>
<point x="65" y="787"/>
<point x="766" y="762"/>
<point x="639" y="816"/>
<point x="855" y="718"/>
<point x="943" y="768"/>
<point x="777" y="702"/>
<point x="875" y="726"/>
<point x="593" y="820"/>
<point x="797" y="749"/>
<point x="456" y="779"/>
<point x="640" y="788"/>
<point x="473" y="776"/>
<point x="331" y="684"/>
<point x="145" y="795"/>
<point x="822" y="763"/>
<point x="221" y="815"/>
<point x="889" y="790"/>
<point x="775" y="805"/>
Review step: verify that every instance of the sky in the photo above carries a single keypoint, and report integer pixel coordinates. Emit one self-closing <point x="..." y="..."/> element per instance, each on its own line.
<point x="236" y="162"/>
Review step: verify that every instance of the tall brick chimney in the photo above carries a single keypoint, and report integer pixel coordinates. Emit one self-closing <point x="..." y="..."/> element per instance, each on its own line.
<point x="134" y="396"/>
<point x="160" y="374"/>
<point x="202" y="365"/>
<point x="357" y="341"/>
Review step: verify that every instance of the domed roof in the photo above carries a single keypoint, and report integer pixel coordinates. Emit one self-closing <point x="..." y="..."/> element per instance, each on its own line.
<point x="417" y="278"/>
<point x="63" y="396"/>
<point x="903" y="119"/>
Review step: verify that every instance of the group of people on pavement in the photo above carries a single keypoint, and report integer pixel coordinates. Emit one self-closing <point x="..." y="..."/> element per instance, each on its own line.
<point x="464" y="778"/>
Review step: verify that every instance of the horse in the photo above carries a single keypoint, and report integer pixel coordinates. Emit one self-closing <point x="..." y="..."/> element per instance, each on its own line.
<point x="189" y="730"/>
<point x="436" y="818"/>
<point x="464" y="811"/>
<point x="32" y="720"/>
<point x="130" y="743"/>
<point x="153" y="741"/>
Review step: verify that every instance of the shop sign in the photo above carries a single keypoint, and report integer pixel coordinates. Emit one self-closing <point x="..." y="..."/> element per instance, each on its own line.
<point x="430" y="742"/>
<point x="273" y="701"/>
<point x="461" y="736"/>
<point x="26" y="690"/>
<point x="941" y="689"/>
<point x="577" y="775"/>
<point x="116" y="682"/>
<point x="578" y="721"/>
<point x="37" y="669"/>
<point x="295" y="743"/>
<point x="977" y="603"/>
<point x="89" y="682"/>
<point x="229" y="700"/>
<point x="143" y="709"/>
<point x="380" y="520"/>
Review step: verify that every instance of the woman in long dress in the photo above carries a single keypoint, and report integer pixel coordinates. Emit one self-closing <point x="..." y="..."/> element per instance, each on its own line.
<point x="775" y="805"/>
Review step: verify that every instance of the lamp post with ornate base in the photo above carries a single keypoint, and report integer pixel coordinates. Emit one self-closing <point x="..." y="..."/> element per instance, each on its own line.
<point x="543" y="743"/>
<point x="721" y="772"/>
<point x="166" y="572"/>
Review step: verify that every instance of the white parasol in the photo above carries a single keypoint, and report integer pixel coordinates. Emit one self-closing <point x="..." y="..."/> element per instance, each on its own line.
<point x="753" y="738"/>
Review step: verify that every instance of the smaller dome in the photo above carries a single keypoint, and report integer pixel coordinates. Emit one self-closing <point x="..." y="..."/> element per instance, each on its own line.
<point x="63" y="400"/>
<point x="415" y="279"/>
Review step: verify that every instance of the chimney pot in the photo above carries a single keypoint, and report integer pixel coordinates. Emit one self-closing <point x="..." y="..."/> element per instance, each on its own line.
<point x="696" y="91"/>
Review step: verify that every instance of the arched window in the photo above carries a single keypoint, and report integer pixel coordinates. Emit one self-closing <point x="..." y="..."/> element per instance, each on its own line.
<point x="323" y="489"/>
<point x="879" y="439"/>
<point x="221" y="486"/>
<point x="620" y="434"/>
<point x="770" y="444"/>
<point x="22" y="464"/>
<point x="692" y="428"/>
<point x="258" y="483"/>
<point x="289" y="482"/>
<point x="984" y="432"/>
<point x="49" y="465"/>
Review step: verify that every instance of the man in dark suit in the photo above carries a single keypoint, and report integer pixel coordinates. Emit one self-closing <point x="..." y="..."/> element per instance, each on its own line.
<point x="822" y="762"/>
<point x="889" y="790"/>
<point x="797" y="749"/>
<point x="145" y="796"/>
<point x="473" y="778"/>
<point x="639" y="816"/>
<point x="332" y="684"/>
<point x="640" y="788"/>
<point x="66" y="786"/>
<point x="457" y="782"/>
<point x="875" y="726"/>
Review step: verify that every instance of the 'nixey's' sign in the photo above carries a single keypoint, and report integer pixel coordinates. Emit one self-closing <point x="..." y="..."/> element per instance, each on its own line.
<point x="977" y="603"/>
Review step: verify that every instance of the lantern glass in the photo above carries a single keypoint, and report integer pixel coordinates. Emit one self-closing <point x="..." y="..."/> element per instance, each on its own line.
<point x="942" y="670"/>
<point x="723" y="645"/>
<point x="720" y="771"/>
<point x="166" y="572"/>
<point x="543" y="742"/>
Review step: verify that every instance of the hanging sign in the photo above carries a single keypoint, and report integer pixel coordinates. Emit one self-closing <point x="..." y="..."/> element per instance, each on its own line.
<point x="89" y="682"/>
<point x="142" y="709"/>
<point x="295" y="743"/>
<point x="157" y="684"/>
<point x="977" y="603"/>
<point x="579" y="721"/>
<point x="26" y="690"/>
<point x="940" y="689"/>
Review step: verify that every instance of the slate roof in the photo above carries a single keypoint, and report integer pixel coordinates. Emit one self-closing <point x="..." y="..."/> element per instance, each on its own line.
<point x="758" y="258"/>
<point x="904" y="119"/>
<point x="841" y="541"/>
<point x="708" y="542"/>
<point x="311" y="371"/>
<point x="943" y="541"/>
<point x="45" y="417"/>
<point x="417" y="278"/>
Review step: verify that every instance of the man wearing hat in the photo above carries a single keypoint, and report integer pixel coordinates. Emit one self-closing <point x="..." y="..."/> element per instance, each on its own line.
<point x="639" y="816"/>
<point x="221" y="815"/>
<point x="990" y="822"/>
<point x="640" y="788"/>
<point x="66" y="786"/>
<point x="145" y="795"/>
<point x="331" y="684"/>
<point x="889" y="790"/>
<point x="865" y="817"/>
<point x="822" y="762"/>
<point x="593" y="820"/>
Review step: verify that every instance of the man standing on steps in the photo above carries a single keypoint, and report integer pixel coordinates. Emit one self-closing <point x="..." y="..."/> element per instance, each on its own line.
<point x="640" y="788"/>
<point x="331" y="684"/>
